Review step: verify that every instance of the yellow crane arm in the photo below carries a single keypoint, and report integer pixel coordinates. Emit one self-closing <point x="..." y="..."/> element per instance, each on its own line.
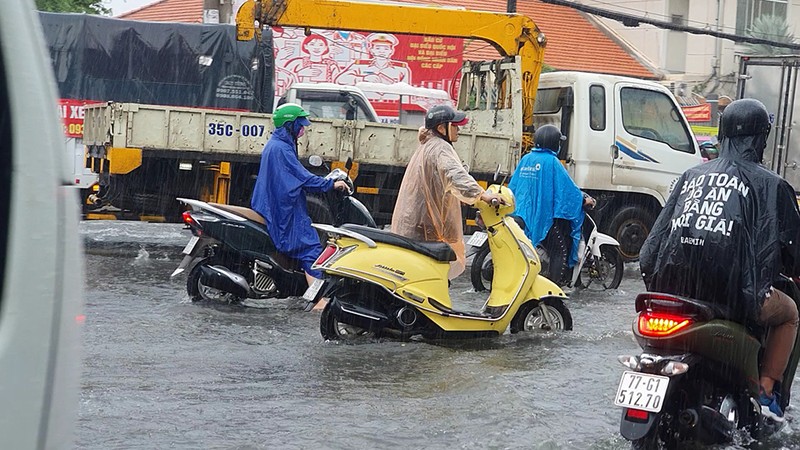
<point x="510" y="34"/>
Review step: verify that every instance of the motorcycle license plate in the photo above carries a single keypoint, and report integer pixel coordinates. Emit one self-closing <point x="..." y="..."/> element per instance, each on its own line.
<point x="311" y="292"/>
<point x="641" y="391"/>
<point x="477" y="239"/>
<point x="190" y="245"/>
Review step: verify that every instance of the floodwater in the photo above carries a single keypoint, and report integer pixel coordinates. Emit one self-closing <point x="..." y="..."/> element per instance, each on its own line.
<point x="162" y="372"/>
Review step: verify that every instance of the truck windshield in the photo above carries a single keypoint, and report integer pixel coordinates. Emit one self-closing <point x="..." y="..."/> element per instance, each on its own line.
<point x="653" y="115"/>
<point x="333" y="105"/>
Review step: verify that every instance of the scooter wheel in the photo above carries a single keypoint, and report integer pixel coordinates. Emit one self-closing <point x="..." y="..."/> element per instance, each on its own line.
<point x="332" y="329"/>
<point x="605" y="273"/>
<point x="199" y="292"/>
<point x="530" y="318"/>
<point x="482" y="270"/>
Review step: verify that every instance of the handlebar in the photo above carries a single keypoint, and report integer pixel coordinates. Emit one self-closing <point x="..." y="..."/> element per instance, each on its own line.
<point x="495" y="202"/>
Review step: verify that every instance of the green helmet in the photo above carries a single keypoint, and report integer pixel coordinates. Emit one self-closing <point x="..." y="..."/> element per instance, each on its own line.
<point x="288" y="112"/>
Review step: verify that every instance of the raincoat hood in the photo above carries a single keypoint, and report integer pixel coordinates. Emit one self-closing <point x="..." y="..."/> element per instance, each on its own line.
<point x="745" y="148"/>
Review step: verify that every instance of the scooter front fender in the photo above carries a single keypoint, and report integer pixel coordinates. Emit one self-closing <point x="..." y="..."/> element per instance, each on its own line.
<point x="600" y="240"/>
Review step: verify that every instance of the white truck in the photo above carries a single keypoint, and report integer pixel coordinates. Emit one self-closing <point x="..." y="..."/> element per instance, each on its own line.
<point x="628" y="141"/>
<point x="773" y="81"/>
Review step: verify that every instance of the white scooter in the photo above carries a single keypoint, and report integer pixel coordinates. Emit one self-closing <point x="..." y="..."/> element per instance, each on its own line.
<point x="600" y="264"/>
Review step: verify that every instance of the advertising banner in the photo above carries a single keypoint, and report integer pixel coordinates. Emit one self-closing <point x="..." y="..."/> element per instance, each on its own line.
<point x="349" y="58"/>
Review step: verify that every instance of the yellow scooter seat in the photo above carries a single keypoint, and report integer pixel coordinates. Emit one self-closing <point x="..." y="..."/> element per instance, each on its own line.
<point x="439" y="251"/>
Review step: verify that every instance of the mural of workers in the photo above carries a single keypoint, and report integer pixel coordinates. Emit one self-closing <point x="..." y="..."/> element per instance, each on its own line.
<point x="346" y="46"/>
<point x="315" y="65"/>
<point x="380" y="68"/>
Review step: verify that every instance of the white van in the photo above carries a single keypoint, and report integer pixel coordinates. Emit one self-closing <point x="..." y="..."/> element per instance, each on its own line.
<point x="41" y="271"/>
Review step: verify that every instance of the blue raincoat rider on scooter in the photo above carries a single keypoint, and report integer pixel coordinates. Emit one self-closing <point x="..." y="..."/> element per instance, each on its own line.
<point x="545" y="191"/>
<point x="280" y="191"/>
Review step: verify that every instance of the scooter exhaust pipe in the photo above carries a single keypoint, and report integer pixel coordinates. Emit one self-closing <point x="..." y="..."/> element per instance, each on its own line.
<point x="222" y="278"/>
<point x="406" y="316"/>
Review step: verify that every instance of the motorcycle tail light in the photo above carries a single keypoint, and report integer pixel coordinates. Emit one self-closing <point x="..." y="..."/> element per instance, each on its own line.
<point x="326" y="255"/>
<point x="189" y="220"/>
<point x="636" y="414"/>
<point x="656" y="324"/>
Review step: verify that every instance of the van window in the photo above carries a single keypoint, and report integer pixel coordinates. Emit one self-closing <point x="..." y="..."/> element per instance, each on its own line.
<point x="5" y="171"/>
<point x="597" y="107"/>
<point x="653" y="115"/>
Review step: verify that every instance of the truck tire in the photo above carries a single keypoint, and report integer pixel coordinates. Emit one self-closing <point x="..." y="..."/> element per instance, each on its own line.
<point x="630" y="227"/>
<point x="320" y="212"/>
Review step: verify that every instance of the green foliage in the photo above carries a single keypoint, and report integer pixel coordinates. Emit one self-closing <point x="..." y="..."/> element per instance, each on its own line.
<point x="548" y="68"/>
<point x="78" y="6"/>
<point x="773" y="28"/>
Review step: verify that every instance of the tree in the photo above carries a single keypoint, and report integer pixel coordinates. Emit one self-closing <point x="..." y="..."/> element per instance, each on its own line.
<point x="78" y="6"/>
<point x="773" y="28"/>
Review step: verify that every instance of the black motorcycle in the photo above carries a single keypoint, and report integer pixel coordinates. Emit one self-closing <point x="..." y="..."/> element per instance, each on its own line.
<point x="697" y="378"/>
<point x="231" y="256"/>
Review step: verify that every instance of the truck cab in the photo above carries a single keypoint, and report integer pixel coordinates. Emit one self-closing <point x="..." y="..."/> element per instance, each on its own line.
<point x="330" y="101"/>
<point x="627" y="143"/>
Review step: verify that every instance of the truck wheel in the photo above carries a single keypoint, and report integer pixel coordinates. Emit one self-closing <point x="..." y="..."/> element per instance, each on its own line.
<point x="320" y="212"/>
<point x="630" y="227"/>
<point x="557" y="245"/>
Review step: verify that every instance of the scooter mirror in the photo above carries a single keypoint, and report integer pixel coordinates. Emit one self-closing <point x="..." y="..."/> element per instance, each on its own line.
<point x="315" y="160"/>
<point x="497" y="173"/>
<point x="348" y="164"/>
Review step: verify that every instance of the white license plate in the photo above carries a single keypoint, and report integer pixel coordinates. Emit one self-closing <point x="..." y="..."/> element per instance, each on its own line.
<point x="478" y="239"/>
<point x="641" y="391"/>
<point x="190" y="245"/>
<point x="311" y="292"/>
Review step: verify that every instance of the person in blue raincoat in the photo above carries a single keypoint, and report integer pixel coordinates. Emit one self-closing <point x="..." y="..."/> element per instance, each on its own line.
<point x="545" y="192"/>
<point x="280" y="191"/>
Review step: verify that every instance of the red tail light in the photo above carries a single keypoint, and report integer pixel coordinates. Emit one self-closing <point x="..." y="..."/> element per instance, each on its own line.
<point x="636" y="414"/>
<point x="188" y="219"/>
<point x="191" y="223"/>
<point x="656" y="324"/>
<point x="326" y="255"/>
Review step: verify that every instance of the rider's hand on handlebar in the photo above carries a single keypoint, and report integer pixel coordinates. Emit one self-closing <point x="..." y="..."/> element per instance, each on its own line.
<point x="492" y="199"/>
<point x="340" y="185"/>
<point x="588" y="201"/>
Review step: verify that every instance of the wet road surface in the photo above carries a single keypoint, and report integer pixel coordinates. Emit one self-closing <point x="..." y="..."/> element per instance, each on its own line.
<point x="163" y="372"/>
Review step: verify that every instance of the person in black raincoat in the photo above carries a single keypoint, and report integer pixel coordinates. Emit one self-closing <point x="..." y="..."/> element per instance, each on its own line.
<point x="727" y="232"/>
<point x="280" y="191"/>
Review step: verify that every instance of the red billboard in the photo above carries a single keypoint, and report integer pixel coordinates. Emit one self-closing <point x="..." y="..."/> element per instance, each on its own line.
<point x="348" y="58"/>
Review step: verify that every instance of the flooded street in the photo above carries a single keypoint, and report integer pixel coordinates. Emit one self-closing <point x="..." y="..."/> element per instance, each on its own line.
<point x="162" y="372"/>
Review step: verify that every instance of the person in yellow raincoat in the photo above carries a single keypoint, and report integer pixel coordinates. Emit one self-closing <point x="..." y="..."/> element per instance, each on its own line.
<point x="428" y="205"/>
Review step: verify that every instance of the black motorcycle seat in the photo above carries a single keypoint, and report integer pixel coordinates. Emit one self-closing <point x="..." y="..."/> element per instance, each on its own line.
<point x="247" y="213"/>
<point x="439" y="251"/>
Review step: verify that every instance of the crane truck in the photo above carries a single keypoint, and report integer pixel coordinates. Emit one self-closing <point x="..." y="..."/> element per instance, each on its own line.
<point x="628" y="140"/>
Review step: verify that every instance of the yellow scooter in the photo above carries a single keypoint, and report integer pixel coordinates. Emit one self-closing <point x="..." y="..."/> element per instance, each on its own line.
<point x="380" y="283"/>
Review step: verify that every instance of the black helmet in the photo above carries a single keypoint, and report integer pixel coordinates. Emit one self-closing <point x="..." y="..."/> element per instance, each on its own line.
<point x="548" y="137"/>
<point x="444" y="114"/>
<point x="745" y="117"/>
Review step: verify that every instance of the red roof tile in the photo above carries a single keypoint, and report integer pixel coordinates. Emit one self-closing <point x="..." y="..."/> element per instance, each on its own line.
<point x="190" y="11"/>
<point x="573" y="41"/>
